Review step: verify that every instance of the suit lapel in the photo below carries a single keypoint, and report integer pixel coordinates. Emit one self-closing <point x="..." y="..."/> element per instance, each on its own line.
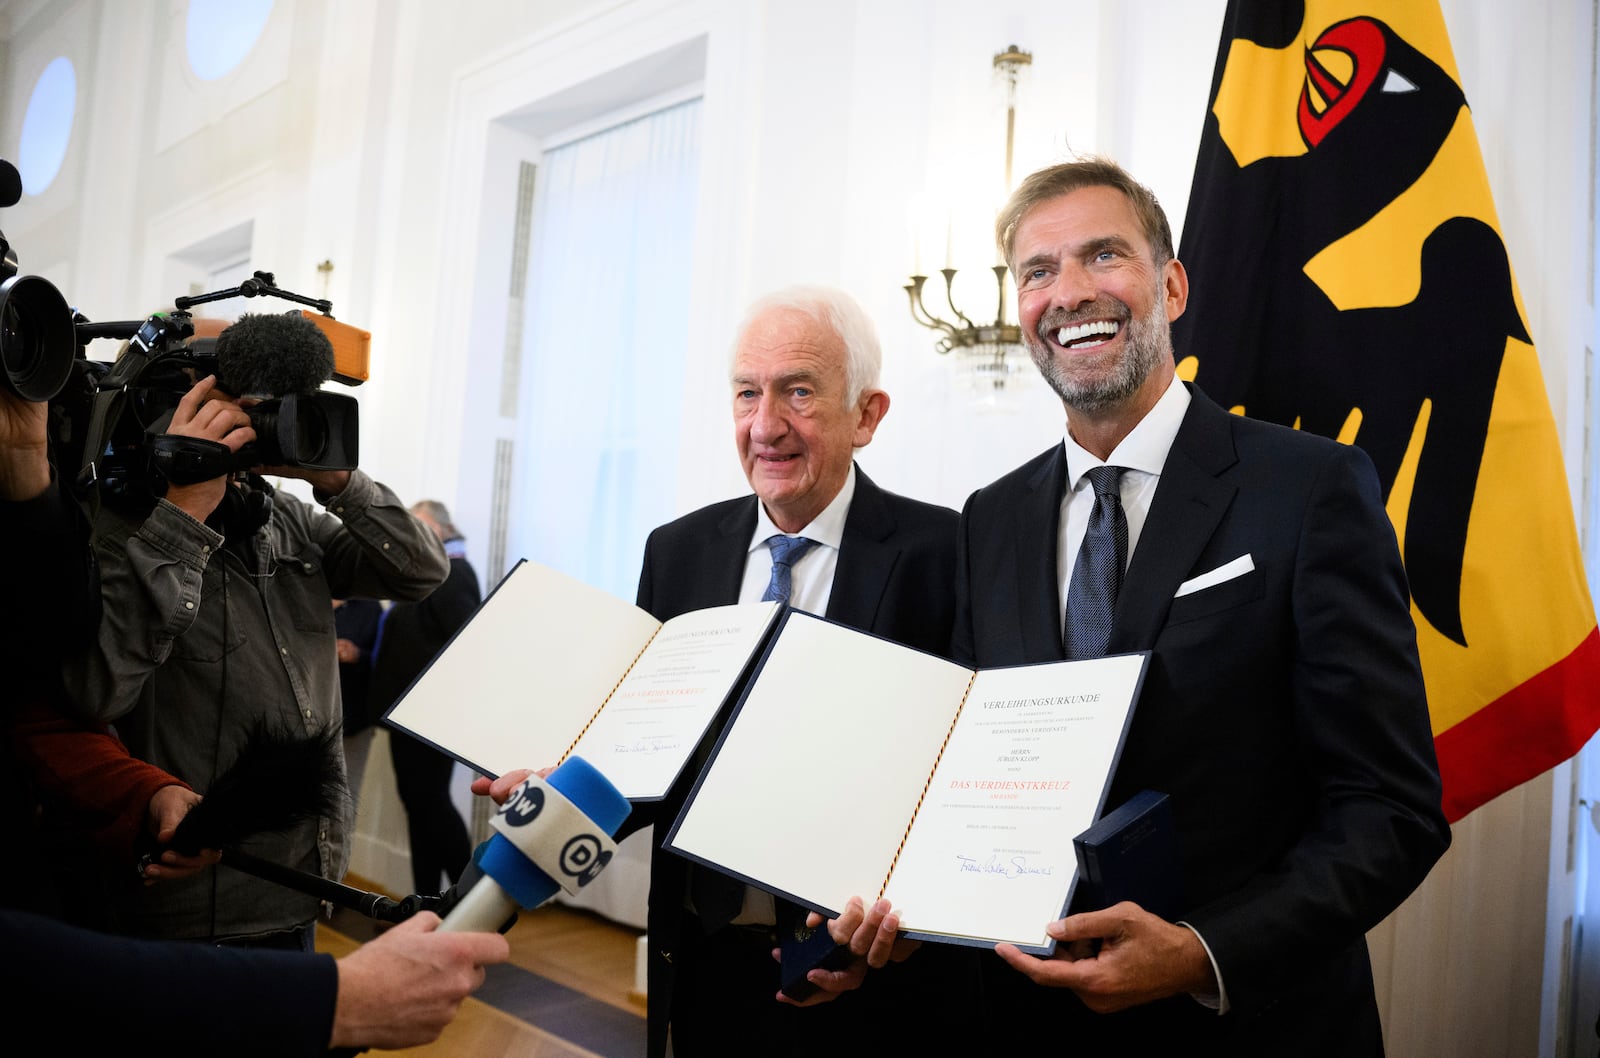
<point x="866" y="558"/>
<point x="729" y="552"/>
<point x="1189" y="503"/>
<point x="1038" y="518"/>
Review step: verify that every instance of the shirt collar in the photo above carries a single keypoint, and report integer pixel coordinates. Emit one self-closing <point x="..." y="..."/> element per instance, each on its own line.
<point x="826" y="528"/>
<point x="1147" y="444"/>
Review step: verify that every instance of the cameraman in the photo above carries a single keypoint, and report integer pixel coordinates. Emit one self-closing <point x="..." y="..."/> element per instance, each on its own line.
<point x="397" y="991"/>
<point x="217" y="629"/>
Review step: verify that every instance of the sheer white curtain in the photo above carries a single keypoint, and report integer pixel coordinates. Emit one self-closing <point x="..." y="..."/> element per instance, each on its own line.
<point x="604" y="344"/>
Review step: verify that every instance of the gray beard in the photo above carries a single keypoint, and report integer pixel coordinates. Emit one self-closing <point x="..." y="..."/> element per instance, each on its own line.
<point x="1148" y="339"/>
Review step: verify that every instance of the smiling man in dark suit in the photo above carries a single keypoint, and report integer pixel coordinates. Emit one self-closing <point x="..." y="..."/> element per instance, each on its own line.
<point x="805" y="397"/>
<point x="1283" y="710"/>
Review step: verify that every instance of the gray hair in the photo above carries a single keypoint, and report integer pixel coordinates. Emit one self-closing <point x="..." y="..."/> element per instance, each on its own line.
<point x="840" y="313"/>
<point x="439" y="514"/>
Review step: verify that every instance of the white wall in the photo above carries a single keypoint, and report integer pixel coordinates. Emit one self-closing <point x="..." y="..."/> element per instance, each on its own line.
<point x="362" y="132"/>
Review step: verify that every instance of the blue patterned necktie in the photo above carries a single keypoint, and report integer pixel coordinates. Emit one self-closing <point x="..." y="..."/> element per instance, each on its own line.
<point x="1097" y="574"/>
<point x="786" y="551"/>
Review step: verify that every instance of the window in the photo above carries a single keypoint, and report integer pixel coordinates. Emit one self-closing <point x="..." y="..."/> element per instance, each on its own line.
<point x="47" y="125"/>
<point x="220" y="33"/>
<point x="604" y="344"/>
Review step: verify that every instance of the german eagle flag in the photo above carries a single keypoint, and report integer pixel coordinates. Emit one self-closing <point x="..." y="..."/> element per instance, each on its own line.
<point x="1349" y="278"/>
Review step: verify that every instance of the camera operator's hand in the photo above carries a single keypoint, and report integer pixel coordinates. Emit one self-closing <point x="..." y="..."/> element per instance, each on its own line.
<point x="24" y="447"/>
<point x="209" y="414"/>
<point x="326" y="482"/>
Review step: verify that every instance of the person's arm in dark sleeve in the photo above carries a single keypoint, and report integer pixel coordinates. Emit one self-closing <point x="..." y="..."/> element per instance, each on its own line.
<point x="158" y="997"/>
<point x="1361" y="716"/>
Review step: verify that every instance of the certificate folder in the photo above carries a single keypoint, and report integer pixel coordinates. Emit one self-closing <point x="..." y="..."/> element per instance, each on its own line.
<point x="856" y="766"/>
<point x="549" y="667"/>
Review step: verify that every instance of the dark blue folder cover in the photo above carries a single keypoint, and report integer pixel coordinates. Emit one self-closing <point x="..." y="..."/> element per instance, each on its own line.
<point x="1131" y="854"/>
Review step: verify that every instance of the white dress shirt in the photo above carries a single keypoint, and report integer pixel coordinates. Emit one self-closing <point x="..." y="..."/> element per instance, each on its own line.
<point x="811" y="582"/>
<point x="1142" y="454"/>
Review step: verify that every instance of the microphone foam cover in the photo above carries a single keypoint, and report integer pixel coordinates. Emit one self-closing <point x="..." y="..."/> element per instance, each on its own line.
<point x="592" y="793"/>
<point x="273" y="355"/>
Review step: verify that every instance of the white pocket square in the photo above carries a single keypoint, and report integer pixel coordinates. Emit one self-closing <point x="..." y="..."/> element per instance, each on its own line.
<point x="1227" y="571"/>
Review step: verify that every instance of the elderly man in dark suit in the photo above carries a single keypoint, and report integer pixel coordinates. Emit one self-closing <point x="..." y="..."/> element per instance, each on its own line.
<point x="1283" y="710"/>
<point x="805" y="397"/>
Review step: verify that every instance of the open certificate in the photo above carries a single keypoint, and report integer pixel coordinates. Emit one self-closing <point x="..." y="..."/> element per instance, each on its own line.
<point x="549" y="667"/>
<point x="856" y="766"/>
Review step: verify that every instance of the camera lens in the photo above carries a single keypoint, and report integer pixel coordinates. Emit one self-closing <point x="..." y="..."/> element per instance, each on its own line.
<point x="315" y="430"/>
<point x="37" y="342"/>
<point x="310" y="433"/>
<point x="290" y="431"/>
<point x="17" y="339"/>
<point x="265" y="450"/>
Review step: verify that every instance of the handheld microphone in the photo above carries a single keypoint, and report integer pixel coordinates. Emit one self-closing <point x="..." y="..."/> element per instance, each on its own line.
<point x="550" y="834"/>
<point x="274" y="355"/>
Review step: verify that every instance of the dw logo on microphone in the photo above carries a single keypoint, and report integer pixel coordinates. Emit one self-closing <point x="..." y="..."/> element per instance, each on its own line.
<point x="583" y="858"/>
<point x="525" y="807"/>
<point x="564" y="843"/>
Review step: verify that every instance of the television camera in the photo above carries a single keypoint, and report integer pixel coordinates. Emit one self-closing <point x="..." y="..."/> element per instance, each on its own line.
<point x="108" y="419"/>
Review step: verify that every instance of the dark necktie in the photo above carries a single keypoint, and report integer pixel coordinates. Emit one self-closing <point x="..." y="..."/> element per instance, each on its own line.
<point x="786" y="551"/>
<point x="718" y="898"/>
<point x="1097" y="574"/>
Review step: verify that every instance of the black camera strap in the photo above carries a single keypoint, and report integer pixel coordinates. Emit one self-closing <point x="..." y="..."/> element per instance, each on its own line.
<point x="105" y="408"/>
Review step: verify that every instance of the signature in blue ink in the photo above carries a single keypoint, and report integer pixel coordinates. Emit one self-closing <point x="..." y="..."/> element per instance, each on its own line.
<point x="642" y="747"/>
<point x="1015" y="867"/>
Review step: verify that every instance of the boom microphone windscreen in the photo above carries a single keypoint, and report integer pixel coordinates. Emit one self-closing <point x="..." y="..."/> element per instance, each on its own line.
<point x="278" y="781"/>
<point x="273" y="355"/>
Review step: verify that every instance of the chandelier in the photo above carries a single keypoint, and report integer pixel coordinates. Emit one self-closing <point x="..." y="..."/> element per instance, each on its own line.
<point x="989" y="355"/>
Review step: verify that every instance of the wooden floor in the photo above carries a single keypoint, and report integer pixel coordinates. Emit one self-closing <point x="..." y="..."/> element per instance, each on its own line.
<point x="564" y="949"/>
